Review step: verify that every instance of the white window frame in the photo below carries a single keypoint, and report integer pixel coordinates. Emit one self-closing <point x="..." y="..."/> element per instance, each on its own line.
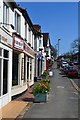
<point x="16" y="24"/>
<point x="26" y="30"/>
<point x="2" y="59"/>
<point x="5" y="14"/>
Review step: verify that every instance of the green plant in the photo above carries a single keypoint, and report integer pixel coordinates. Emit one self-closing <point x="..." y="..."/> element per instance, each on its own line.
<point x="42" y="87"/>
<point x="46" y="73"/>
<point x="45" y="80"/>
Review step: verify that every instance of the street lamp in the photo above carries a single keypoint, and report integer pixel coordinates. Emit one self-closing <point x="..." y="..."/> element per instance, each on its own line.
<point x="8" y="24"/>
<point x="58" y="46"/>
<point x="56" y="50"/>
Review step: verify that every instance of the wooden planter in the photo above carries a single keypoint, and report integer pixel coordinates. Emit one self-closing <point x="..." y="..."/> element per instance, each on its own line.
<point x="41" y="97"/>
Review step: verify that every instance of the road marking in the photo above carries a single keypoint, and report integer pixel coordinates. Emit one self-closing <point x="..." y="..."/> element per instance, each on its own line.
<point x="74" y="98"/>
<point x="75" y="93"/>
<point x="75" y="85"/>
<point x="60" y="86"/>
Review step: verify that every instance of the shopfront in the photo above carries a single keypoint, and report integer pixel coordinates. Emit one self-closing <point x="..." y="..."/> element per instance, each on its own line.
<point x="17" y="65"/>
<point x="5" y="67"/>
<point x="29" y="64"/>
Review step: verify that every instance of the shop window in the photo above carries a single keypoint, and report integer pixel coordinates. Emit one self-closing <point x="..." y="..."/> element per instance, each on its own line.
<point x="6" y="53"/>
<point x="5" y="76"/>
<point x="4" y="71"/>
<point x="24" y="68"/>
<point x="27" y="70"/>
<point x="15" y="69"/>
<point x="30" y="68"/>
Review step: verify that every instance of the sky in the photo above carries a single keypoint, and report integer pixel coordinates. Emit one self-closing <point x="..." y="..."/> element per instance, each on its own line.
<point x="59" y="19"/>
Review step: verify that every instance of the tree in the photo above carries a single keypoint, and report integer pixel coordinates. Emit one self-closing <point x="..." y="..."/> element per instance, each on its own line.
<point x="53" y="51"/>
<point x="74" y="46"/>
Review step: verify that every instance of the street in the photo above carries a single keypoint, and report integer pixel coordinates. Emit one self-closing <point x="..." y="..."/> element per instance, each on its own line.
<point x="63" y="99"/>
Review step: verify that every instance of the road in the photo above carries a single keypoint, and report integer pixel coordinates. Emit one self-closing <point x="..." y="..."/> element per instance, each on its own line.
<point x="63" y="100"/>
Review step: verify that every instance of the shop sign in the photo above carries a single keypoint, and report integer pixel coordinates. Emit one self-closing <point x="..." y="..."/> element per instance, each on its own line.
<point x="18" y="43"/>
<point x="5" y="38"/>
<point x="29" y="50"/>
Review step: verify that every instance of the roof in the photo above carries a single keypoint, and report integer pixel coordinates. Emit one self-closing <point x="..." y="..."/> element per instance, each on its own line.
<point x="37" y="29"/>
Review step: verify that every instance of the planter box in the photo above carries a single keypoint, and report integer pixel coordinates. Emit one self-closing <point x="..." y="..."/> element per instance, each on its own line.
<point x="41" y="97"/>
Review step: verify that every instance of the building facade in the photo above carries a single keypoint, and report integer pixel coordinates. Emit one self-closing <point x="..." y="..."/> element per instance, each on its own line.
<point x="22" y="51"/>
<point x="6" y="46"/>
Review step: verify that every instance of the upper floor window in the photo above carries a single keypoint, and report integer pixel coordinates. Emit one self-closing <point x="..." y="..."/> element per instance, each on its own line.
<point x="17" y="22"/>
<point x="5" y="14"/>
<point x="39" y="43"/>
<point x="26" y="31"/>
<point x="29" y="35"/>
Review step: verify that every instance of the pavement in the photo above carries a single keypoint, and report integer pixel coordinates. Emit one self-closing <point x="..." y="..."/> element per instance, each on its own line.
<point x="62" y="102"/>
<point x="42" y="109"/>
<point x="16" y="107"/>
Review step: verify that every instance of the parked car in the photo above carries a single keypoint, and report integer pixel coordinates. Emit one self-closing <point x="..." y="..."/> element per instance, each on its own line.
<point x="71" y="63"/>
<point x="67" y="68"/>
<point x="64" y="64"/>
<point x="76" y="62"/>
<point x="72" y="73"/>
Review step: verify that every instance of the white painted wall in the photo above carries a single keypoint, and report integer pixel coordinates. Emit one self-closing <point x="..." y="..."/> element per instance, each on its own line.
<point x="1" y="10"/>
<point x="37" y="44"/>
<point x="22" y="27"/>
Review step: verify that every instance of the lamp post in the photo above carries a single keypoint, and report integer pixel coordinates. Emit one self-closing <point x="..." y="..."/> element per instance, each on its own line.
<point x="56" y="50"/>
<point x="58" y="46"/>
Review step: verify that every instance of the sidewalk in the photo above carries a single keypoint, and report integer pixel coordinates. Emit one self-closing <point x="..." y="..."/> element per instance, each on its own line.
<point x="13" y="109"/>
<point x="16" y="106"/>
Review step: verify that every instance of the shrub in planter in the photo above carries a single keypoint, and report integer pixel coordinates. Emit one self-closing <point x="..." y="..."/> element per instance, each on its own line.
<point x="42" y="87"/>
<point x="46" y="73"/>
<point x="41" y="91"/>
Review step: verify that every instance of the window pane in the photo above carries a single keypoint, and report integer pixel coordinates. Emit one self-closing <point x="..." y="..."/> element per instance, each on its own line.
<point x="27" y="58"/>
<point x="6" y="53"/>
<point x="24" y="68"/>
<point x="5" y="13"/>
<point x="27" y="70"/>
<point x="0" y="51"/>
<point x="0" y="77"/>
<point x="5" y="76"/>
<point x="15" y="69"/>
<point x="17" y="22"/>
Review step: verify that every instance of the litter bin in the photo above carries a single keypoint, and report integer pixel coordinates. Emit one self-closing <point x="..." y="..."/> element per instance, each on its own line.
<point x="50" y="73"/>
